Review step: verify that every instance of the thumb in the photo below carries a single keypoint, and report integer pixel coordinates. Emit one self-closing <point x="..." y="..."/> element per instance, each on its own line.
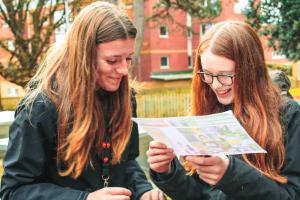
<point x="119" y="191"/>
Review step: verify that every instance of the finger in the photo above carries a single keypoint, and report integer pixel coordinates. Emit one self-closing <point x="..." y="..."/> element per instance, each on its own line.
<point x="208" y="181"/>
<point x="155" y="166"/>
<point x="195" y="160"/>
<point x="204" y="161"/>
<point x="162" y="196"/>
<point x="209" y="178"/>
<point x="119" y="197"/>
<point x="156" y="144"/>
<point x="160" y="158"/>
<point x="118" y="191"/>
<point x="156" y="151"/>
<point x="154" y="195"/>
<point x="157" y="195"/>
<point x="212" y="160"/>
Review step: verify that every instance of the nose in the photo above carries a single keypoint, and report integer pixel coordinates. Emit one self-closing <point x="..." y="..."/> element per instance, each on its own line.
<point x="215" y="84"/>
<point x="123" y="68"/>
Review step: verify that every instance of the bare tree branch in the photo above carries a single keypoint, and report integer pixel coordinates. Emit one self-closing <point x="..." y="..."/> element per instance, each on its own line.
<point x="32" y="24"/>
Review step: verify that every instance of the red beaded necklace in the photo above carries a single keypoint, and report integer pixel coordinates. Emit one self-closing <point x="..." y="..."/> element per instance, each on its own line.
<point x="106" y="156"/>
<point x="106" y="145"/>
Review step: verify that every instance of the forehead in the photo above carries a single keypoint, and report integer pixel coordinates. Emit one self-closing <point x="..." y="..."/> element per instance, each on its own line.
<point x="116" y="47"/>
<point x="214" y="63"/>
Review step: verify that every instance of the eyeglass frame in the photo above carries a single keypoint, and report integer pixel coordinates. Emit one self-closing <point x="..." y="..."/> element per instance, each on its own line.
<point x="231" y="76"/>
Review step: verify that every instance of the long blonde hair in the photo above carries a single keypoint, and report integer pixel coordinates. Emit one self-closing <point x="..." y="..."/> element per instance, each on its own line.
<point x="67" y="76"/>
<point x="257" y="101"/>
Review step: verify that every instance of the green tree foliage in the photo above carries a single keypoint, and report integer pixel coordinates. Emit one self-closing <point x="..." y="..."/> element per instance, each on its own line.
<point x="164" y="10"/>
<point x="279" y="21"/>
<point x="202" y="9"/>
<point x="32" y="24"/>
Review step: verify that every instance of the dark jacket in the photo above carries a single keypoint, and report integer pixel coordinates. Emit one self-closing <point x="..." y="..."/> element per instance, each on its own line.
<point x="240" y="181"/>
<point x="31" y="172"/>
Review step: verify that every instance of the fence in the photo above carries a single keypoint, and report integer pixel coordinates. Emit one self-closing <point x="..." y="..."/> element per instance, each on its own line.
<point x="9" y="103"/>
<point x="165" y="102"/>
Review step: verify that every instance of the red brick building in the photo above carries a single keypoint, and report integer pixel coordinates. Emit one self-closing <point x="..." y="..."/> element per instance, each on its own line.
<point x="168" y="52"/>
<point x="5" y="34"/>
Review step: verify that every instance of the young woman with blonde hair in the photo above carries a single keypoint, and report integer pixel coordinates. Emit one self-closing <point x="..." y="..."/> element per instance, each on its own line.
<point x="72" y="137"/>
<point x="230" y="74"/>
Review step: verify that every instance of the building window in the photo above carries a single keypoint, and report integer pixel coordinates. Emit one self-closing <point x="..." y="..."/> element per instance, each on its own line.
<point x="164" y="62"/>
<point x="277" y="55"/>
<point x="190" y="61"/>
<point x="11" y="45"/>
<point x="205" y="27"/>
<point x="12" y="92"/>
<point x="240" y="6"/>
<point x="163" y="32"/>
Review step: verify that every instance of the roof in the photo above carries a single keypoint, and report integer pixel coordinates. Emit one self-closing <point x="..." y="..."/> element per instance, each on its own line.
<point x="2" y="78"/>
<point x="170" y="76"/>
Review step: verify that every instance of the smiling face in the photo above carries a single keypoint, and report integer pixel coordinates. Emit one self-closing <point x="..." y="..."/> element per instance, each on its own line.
<point x="113" y="60"/>
<point x="217" y="65"/>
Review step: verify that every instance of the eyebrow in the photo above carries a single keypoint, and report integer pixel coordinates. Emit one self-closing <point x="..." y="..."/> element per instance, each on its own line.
<point x="131" y="54"/>
<point x="228" y="71"/>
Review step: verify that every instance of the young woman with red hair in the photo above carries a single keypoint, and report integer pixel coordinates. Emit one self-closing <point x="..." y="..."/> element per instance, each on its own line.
<point x="72" y="138"/>
<point x="230" y="74"/>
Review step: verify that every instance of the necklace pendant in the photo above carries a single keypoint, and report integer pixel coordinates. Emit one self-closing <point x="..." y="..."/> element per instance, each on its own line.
<point x="105" y="180"/>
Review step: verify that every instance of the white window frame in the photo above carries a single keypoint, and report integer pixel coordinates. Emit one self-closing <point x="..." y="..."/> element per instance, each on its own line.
<point x="168" y="62"/>
<point x="167" y="31"/>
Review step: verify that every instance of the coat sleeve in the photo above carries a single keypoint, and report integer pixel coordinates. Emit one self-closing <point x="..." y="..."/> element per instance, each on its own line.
<point x="29" y="150"/>
<point x="244" y="182"/>
<point x="137" y="181"/>
<point x="178" y="185"/>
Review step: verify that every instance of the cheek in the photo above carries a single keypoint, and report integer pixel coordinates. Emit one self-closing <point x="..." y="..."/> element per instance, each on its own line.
<point x="101" y="69"/>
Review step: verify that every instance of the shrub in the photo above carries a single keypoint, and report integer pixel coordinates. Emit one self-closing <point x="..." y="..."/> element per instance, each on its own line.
<point x="286" y="68"/>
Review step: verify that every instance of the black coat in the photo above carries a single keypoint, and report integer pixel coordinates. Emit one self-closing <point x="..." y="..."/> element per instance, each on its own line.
<point x="31" y="172"/>
<point x="240" y="181"/>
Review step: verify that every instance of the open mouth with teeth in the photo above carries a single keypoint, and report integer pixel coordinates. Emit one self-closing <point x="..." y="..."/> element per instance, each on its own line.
<point x="222" y="93"/>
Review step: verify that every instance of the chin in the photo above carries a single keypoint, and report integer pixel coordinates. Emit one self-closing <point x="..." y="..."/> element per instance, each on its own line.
<point x="225" y="101"/>
<point x="111" y="88"/>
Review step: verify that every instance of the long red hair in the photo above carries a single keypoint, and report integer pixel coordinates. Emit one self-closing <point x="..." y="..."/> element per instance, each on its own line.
<point x="67" y="76"/>
<point x="256" y="99"/>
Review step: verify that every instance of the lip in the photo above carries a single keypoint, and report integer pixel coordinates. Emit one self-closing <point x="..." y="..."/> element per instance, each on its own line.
<point x="222" y="93"/>
<point x="115" y="80"/>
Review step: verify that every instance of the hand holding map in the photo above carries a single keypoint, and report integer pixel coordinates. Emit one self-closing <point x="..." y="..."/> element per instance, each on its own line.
<point x="216" y="134"/>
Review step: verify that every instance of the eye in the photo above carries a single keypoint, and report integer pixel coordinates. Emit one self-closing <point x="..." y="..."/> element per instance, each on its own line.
<point x="111" y="62"/>
<point x="129" y="59"/>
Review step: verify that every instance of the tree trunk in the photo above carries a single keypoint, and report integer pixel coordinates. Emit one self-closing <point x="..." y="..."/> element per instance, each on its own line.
<point x="138" y="19"/>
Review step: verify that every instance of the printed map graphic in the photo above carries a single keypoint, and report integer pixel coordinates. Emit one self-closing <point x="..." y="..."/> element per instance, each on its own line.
<point x="216" y="134"/>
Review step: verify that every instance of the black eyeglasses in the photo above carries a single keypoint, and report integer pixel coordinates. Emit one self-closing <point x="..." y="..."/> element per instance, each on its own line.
<point x="224" y="79"/>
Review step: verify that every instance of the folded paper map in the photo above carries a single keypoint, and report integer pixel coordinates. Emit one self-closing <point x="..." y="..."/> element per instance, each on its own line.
<point x="216" y="134"/>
